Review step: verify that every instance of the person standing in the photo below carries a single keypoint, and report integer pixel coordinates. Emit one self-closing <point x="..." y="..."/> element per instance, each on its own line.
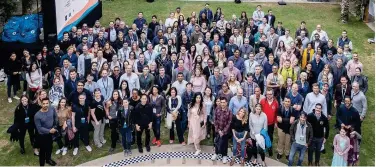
<point x="144" y="122"/>
<point x="112" y="108"/>
<point x="34" y="79"/>
<point x="320" y="127"/>
<point x="257" y="121"/>
<point x="106" y="85"/>
<point x="13" y="71"/>
<point x="186" y="99"/>
<point x="285" y="117"/>
<point x="174" y="108"/>
<point x="238" y="102"/>
<point x="342" y="146"/>
<point x="347" y="116"/>
<point x="80" y="123"/>
<point x="158" y="104"/>
<point x="313" y="98"/>
<point x="126" y="119"/>
<point x="197" y="122"/>
<point x="359" y="101"/>
<point x="239" y="126"/>
<point x="222" y="122"/>
<point x="24" y="119"/>
<point x="301" y="136"/>
<point x="46" y="123"/>
<point x="97" y="117"/>
<point x="270" y="107"/>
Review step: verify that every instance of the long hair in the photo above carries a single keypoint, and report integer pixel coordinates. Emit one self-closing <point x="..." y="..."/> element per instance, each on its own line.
<point x="24" y="96"/>
<point x="67" y="109"/>
<point x="119" y="100"/>
<point x="193" y="103"/>
<point x="127" y="92"/>
<point x="245" y="117"/>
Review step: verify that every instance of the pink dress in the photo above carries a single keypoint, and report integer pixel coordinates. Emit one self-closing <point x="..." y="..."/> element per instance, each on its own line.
<point x="196" y="133"/>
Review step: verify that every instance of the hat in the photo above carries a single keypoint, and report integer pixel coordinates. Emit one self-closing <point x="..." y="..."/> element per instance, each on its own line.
<point x="329" y="52"/>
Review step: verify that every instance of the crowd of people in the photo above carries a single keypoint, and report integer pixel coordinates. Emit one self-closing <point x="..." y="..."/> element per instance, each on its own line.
<point x="239" y="80"/>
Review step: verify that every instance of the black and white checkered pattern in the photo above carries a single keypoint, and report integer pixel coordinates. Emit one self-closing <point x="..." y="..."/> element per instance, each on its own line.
<point x="175" y="155"/>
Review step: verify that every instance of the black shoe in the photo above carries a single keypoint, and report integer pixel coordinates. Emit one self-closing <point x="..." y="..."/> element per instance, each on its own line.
<point x="323" y="151"/>
<point x="270" y="153"/>
<point x="140" y="150"/>
<point x="51" y="162"/>
<point x="279" y="156"/>
<point x="148" y="149"/>
<point x="287" y="157"/>
<point x="317" y="163"/>
<point x="22" y="151"/>
<point x="111" y="150"/>
<point x="310" y="164"/>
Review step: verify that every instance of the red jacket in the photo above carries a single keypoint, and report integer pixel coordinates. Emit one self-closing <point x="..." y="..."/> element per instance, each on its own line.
<point x="270" y="110"/>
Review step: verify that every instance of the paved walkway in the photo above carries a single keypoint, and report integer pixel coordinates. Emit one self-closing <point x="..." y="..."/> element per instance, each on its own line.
<point x="167" y="155"/>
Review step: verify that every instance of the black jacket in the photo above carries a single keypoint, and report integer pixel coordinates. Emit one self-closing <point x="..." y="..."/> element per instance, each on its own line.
<point x="20" y="114"/>
<point x="272" y="20"/>
<point x="128" y="118"/>
<point x="285" y="124"/>
<point x="13" y="66"/>
<point x="144" y="115"/>
<point x="309" y="133"/>
<point x="53" y="59"/>
<point x="319" y="125"/>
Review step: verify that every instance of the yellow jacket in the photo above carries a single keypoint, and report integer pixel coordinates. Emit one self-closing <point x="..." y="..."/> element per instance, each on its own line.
<point x="307" y="57"/>
<point x="287" y="73"/>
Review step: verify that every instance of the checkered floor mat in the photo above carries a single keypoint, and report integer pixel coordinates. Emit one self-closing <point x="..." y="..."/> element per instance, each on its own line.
<point x="175" y="155"/>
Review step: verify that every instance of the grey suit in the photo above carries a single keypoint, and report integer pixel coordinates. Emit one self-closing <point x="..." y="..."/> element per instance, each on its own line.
<point x="272" y="40"/>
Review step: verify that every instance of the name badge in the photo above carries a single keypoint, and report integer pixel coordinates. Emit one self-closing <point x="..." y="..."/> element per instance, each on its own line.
<point x="83" y="120"/>
<point x="154" y="110"/>
<point x="301" y="138"/>
<point x="125" y="125"/>
<point x="27" y="120"/>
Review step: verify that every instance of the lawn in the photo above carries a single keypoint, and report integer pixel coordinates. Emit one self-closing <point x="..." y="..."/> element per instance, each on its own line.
<point x="291" y="16"/>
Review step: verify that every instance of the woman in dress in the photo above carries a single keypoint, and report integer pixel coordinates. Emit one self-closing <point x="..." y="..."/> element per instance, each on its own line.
<point x="243" y="20"/>
<point x="307" y="55"/>
<point x="97" y="118"/>
<point x="342" y="146"/>
<point x="158" y="104"/>
<point x="257" y="122"/>
<point x="353" y="158"/>
<point x="209" y="102"/>
<point x="239" y="127"/>
<point x="112" y="107"/>
<point x="64" y="115"/>
<point x="174" y="103"/>
<point x="196" y="122"/>
<point x="233" y="84"/>
<point x="126" y="126"/>
<point x="198" y="81"/>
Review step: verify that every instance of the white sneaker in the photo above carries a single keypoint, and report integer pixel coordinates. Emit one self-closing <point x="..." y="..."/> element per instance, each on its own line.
<point x="75" y="151"/>
<point x="16" y="97"/>
<point x="9" y="100"/>
<point x="64" y="151"/>
<point x="104" y="142"/>
<point x="88" y="148"/>
<point x="224" y="159"/>
<point x="214" y="157"/>
<point x="197" y="152"/>
<point x="99" y="145"/>
<point x="58" y="151"/>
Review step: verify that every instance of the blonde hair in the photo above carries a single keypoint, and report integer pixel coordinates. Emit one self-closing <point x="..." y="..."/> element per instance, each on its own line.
<point x="245" y="117"/>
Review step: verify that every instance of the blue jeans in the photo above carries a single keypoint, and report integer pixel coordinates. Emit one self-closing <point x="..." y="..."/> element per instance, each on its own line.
<point x="126" y="137"/>
<point x="239" y="135"/>
<point x="9" y="87"/>
<point x="184" y="121"/>
<point x="294" y="148"/>
<point x="157" y="127"/>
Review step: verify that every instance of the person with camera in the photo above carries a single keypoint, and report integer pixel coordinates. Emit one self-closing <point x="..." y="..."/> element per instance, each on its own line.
<point x="46" y="124"/>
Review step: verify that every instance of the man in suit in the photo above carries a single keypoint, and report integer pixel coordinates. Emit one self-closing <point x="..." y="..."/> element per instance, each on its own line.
<point x="273" y="39"/>
<point x="341" y="90"/>
<point x="280" y="30"/>
<point x="270" y="18"/>
<point x="302" y="28"/>
<point x="131" y="37"/>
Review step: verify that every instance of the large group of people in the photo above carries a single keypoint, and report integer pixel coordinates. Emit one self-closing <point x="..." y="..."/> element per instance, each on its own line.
<point x="242" y="80"/>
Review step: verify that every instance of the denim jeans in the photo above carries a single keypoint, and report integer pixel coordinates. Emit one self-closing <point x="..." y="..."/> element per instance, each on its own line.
<point x="184" y="120"/>
<point x="239" y="135"/>
<point x="157" y="127"/>
<point x="126" y="137"/>
<point x="10" y="85"/>
<point x="315" y="146"/>
<point x="294" y="148"/>
<point x="221" y="148"/>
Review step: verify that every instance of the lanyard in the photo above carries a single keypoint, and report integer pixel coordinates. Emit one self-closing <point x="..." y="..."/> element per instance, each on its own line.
<point x="105" y="87"/>
<point x="25" y="108"/>
<point x="302" y="126"/>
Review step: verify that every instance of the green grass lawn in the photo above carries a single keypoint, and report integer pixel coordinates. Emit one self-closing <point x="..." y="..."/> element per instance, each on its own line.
<point x="291" y="16"/>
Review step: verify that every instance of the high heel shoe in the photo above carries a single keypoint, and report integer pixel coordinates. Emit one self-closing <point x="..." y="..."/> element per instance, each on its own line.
<point x="232" y="161"/>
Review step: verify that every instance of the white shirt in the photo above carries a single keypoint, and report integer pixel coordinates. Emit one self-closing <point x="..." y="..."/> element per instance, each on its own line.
<point x="170" y="22"/>
<point x="180" y="87"/>
<point x="133" y="81"/>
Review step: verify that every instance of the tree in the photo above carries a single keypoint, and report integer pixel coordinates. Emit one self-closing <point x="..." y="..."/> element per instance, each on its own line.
<point x="7" y="8"/>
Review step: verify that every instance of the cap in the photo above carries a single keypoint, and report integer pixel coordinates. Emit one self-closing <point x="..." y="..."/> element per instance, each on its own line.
<point x="329" y="52"/>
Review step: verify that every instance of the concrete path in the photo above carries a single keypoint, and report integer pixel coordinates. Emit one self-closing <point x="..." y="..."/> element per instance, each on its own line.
<point x="167" y="155"/>
<point x="266" y="1"/>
